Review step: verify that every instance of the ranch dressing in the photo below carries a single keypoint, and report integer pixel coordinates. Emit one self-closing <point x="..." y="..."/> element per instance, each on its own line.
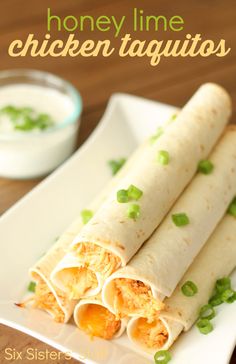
<point x="43" y="100"/>
<point x="27" y="112"/>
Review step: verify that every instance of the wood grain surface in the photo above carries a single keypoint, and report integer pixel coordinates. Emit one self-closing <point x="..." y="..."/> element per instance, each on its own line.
<point x="173" y="81"/>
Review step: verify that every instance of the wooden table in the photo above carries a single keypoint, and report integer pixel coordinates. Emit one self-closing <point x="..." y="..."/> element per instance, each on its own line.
<point x="172" y="81"/>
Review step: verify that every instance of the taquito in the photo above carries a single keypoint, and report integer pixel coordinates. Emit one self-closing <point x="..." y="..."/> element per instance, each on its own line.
<point x="47" y="296"/>
<point x="92" y="316"/>
<point x="156" y="269"/>
<point x="113" y="236"/>
<point x="216" y="260"/>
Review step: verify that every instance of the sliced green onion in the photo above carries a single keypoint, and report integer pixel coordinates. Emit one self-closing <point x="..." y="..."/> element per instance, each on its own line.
<point x="133" y="211"/>
<point x="86" y="215"/>
<point x="207" y="312"/>
<point x="180" y="219"/>
<point x="171" y="119"/>
<point x="163" y="157"/>
<point x="223" y="284"/>
<point x="189" y="289"/>
<point x="116" y="165"/>
<point x="204" y="326"/>
<point x="31" y="286"/>
<point x="153" y="138"/>
<point x="134" y="193"/>
<point x="26" y="118"/>
<point x="205" y="167"/>
<point x="232" y="208"/>
<point x="162" y="357"/>
<point x="215" y="300"/>
<point x="122" y="196"/>
<point x="228" y="296"/>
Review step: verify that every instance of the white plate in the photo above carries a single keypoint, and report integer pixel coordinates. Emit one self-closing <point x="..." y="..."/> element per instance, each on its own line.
<point x="31" y="226"/>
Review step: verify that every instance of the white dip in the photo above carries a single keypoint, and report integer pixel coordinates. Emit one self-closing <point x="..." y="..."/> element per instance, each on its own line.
<point x="42" y="100"/>
<point x="27" y="152"/>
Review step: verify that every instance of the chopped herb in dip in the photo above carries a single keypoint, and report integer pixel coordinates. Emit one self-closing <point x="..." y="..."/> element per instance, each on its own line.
<point x="26" y="118"/>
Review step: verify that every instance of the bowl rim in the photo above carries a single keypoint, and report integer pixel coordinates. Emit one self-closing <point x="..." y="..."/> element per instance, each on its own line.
<point x="40" y="75"/>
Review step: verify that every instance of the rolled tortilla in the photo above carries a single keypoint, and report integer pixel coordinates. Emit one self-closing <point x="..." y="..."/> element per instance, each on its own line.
<point x="93" y="317"/>
<point x="47" y="296"/>
<point x="110" y="239"/>
<point x="156" y="269"/>
<point x="216" y="260"/>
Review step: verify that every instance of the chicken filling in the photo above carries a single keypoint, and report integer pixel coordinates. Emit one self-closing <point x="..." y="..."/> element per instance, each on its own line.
<point x="92" y="258"/>
<point x="133" y="297"/>
<point x="97" y="258"/>
<point x="77" y="281"/>
<point x="150" y="334"/>
<point x="99" y="321"/>
<point x="44" y="299"/>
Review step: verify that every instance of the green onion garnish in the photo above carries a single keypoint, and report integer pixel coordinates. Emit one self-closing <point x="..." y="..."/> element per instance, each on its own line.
<point x="133" y="211"/>
<point x="204" y="326"/>
<point x="134" y="193"/>
<point x="163" y="157"/>
<point x="223" y="284"/>
<point x="232" y="208"/>
<point x="228" y="296"/>
<point x="86" y="215"/>
<point x="173" y="117"/>
<point x="26" y="118"/>
<point x="116" y="165"/>
<point x="122" y="196"/>
<point x="207" y="312"/>
<point x="205" y="167"/>
<point x="162" y="357"/>
<point x="215" y="300"/>
<point x="153" y="138"/>
<point x="189" y="289"/>
<point x="180" y="219"/>
<point x="222" y="293"/>
<point x="31" y="286"/>
<point x="15" y="113"/>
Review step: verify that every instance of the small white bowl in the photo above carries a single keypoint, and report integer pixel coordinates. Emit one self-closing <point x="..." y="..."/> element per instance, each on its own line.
<point x="33" y="154"/>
